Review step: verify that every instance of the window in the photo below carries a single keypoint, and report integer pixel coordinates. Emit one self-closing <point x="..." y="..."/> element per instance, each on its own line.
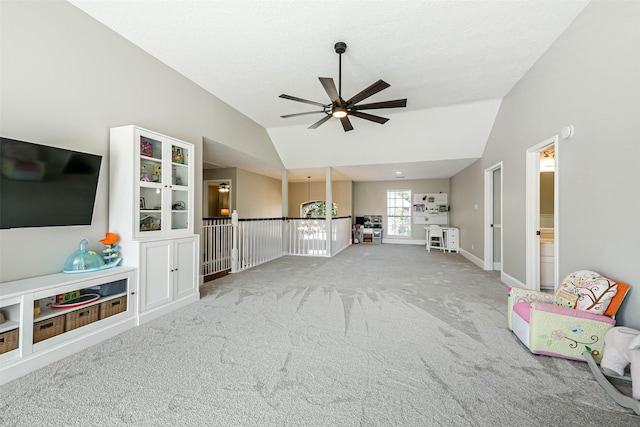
<point x="399" y="213"/>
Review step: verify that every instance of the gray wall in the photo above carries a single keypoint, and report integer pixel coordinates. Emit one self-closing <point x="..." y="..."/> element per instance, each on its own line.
<point x="370" y="198"/>
<point x="258" y="196"/>
<point x="589" y="79"/>
<point x="66" y="79"/>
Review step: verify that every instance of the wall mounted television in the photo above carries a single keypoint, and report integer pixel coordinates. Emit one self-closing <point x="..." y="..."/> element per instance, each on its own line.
<point x="42" y="186"/>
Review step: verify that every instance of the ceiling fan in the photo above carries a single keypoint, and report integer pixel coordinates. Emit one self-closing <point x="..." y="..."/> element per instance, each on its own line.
<point x="342" y="109"/>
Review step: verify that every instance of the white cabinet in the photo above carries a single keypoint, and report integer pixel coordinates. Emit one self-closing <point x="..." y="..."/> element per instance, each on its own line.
<point x="36" y="333"/>
<point x="453" y="239"/>
<point x="547" y="265"/>
<point x="151" y="208"/>
<point x="167" y="276"/>
<point x="156" y="267"/>
<point x="151" y="184"/>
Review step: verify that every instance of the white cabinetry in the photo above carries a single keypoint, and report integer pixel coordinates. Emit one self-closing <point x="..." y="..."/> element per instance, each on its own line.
<point x="47" y="334"/>
<point x="547" y="265"/>
<point x="453" y="239"/>
<point x="151" y="207"/>
<point x="150" y="184"/>
<point x="166" y="266"/>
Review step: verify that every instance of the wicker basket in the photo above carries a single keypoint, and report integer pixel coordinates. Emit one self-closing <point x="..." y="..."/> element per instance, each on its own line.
<point x="111" y="307"/>
<point x="8" y="341"/>
<point x="80" y="317"/>
<point x="46" y="329"/>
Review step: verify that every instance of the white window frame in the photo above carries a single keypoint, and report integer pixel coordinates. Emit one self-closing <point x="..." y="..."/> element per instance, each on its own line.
<point x="408" y="216"/>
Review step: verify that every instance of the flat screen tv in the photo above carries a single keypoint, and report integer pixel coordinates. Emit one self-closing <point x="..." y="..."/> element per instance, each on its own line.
<point x="43" y="186"/>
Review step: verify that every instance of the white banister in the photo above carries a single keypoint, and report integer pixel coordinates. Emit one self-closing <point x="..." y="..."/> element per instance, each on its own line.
<point x="238" y="244"/>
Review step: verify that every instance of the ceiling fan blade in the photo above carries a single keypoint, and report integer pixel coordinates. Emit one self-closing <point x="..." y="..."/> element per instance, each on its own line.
<point x="319" y="122"/>
<point x="377" y="119"/>
<point x="384" y="104"/>
<point x="306" y="101"/>
<point x="346" y="124"/>
<point x="371" y="90"/>
<point x="330" y="88"/>
<point x="301" y="114"/>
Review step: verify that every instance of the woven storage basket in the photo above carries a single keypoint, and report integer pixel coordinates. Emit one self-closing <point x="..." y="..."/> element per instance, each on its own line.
<point x="114" y="306"/>
<point x="8" y="341"/>
<point x="81" y="317"/>
<point x="46" y="329"/>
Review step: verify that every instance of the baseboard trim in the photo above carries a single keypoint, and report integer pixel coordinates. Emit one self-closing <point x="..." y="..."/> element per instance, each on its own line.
<point x="404" y="242"/>
<point x="511" y="281"/>
<point x="471" y="257"/>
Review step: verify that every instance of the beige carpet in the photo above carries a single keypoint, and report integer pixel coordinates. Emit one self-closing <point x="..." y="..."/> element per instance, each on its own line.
<point x="381" y="335"/>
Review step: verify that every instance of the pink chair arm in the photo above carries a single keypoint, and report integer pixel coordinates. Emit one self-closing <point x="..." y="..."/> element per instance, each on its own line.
<point x="515" y="295"/>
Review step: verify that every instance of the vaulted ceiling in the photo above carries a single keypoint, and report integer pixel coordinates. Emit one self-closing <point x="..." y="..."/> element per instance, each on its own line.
<point x="453" y="60"/>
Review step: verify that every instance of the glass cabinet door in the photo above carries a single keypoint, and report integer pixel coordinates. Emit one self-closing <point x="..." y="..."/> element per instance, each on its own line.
<point x="180" y="176"/>
<point x="151" y="186"/>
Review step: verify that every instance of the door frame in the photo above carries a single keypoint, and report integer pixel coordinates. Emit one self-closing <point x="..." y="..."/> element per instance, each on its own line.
<point x="533" y="213"/>
<point x="488" y="216"/>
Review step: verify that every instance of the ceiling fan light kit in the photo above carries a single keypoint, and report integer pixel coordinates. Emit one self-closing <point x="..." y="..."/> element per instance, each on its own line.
<point x="341" y="109"/>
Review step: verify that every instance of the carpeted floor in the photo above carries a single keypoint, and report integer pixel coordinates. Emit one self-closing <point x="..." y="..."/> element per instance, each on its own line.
<point x="381" y="335"/>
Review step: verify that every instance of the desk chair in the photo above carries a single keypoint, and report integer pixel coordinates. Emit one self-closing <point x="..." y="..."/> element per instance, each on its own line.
<point x="436" y="238"/>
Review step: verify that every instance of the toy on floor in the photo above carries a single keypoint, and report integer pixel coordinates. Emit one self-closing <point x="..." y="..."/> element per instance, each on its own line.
<point x="622" y="346"/>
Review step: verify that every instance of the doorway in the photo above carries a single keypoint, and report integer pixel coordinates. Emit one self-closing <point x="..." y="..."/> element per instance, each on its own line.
<point x="493" y="218"/>
<point x="216" y="198"/>
<point x="542" y="228"/>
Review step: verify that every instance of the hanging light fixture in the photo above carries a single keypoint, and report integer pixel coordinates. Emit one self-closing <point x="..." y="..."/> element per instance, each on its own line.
<point x="547" y="163"/>
<point x="223" y="188"/>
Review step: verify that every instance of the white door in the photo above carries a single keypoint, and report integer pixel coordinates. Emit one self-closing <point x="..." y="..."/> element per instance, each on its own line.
<point x="537" y="266"/>
<point x="493" y="217"/>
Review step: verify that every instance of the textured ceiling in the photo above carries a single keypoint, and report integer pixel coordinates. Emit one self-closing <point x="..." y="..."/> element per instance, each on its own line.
<point x="435" y="53"/>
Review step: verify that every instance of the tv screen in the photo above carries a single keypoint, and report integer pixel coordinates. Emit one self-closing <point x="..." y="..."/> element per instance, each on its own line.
<point x="43" y="186"/>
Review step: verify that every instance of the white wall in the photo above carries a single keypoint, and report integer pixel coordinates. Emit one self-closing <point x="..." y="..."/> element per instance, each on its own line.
<point x="589" y="79"/>
<point x="66" y="79"/>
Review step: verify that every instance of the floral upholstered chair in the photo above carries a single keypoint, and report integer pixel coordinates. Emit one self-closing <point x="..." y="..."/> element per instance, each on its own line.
<point x="572" y="320"/>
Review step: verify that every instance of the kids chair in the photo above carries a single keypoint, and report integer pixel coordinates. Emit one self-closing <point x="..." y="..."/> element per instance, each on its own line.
<point x="573" y="320"/>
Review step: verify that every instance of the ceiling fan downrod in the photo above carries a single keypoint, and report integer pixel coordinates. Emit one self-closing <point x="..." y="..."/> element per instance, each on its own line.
<point x="340" y="48"/>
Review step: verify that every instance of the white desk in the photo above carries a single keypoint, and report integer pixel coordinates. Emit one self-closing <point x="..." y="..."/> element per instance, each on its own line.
<point x="451" y="237"/>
